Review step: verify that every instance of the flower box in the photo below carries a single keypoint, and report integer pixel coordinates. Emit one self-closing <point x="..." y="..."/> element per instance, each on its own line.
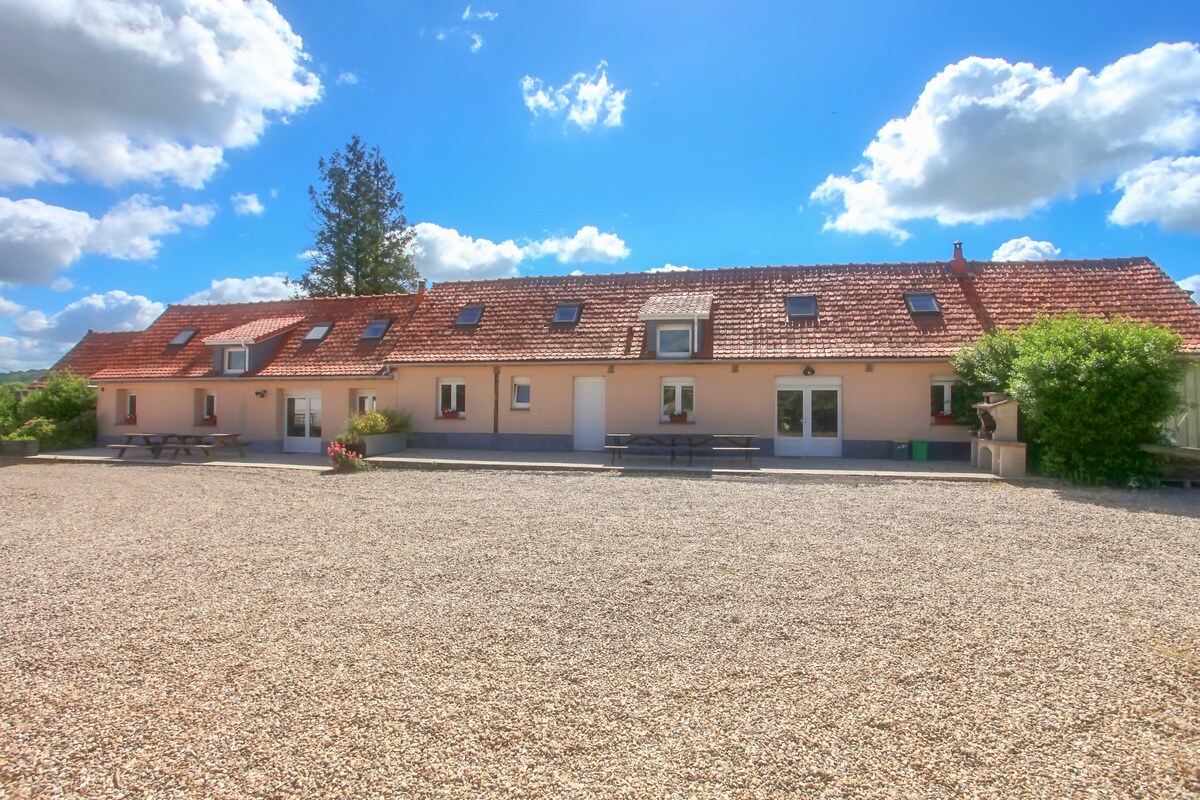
<point x="130" y="419"/>
<point x="678" y="419"/>
<point x="943" y="419"/>
<point x="208" y="420"/>
<point x="450" y="413"/>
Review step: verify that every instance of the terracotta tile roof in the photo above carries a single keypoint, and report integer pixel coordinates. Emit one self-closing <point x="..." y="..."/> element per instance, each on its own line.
<point x="677" y="305"/>
<point x="95" y="351"/>
<point x="343" y="351"/>
<point x="258" y="330"/>
<point x="862" y="312"/>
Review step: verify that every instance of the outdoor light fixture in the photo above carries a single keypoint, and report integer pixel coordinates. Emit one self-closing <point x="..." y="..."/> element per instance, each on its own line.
<point x="809" y="371"/>
<point x="261" y="393"/>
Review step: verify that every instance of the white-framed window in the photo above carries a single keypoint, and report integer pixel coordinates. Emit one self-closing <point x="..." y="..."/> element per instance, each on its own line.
<point x="941" y="397"/>
<point x="678" y="400"/>
<point x="235" y="359"/>
<point x="364" y="402"/>
<point x="130" y="406"/>
<point x="673" y="341"/>
<point x="452" y="398"/>
<point x="210" y="406"/>
<point x="520" y="393"/>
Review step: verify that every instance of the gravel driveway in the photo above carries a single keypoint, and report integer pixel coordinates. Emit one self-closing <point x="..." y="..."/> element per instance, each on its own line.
<point x="184" y="631"/>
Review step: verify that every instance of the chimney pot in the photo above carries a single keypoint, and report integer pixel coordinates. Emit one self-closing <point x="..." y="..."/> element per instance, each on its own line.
<point x="958" y="264"/>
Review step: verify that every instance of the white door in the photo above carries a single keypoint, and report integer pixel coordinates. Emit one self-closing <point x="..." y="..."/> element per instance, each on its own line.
<point x="302" y="423"/>
<point x="808" y="417"/>
<point x="589" y="414"/>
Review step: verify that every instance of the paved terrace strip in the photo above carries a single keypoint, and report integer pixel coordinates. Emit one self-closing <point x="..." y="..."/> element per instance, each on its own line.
<point x="244" y="633"/>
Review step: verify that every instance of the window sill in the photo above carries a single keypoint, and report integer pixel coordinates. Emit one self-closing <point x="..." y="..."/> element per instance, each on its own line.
<point x="126" y="422"/>
<point x="677" y="424"/>
<point x="459" y="418"/>
<point x="519" y="408"/>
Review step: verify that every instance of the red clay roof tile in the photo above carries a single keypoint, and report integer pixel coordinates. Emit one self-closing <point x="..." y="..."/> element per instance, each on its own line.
<point x="256" y="331"/>
<point x="96" y="350"/>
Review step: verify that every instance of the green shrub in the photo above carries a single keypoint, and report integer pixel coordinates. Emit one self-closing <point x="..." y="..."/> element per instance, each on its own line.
<point x="9" y="416"/>
<point x="64" y="396"/>
<point x="371" y="423"/>
<point x="1091" y="392"/>
<point x="59" y="434"/>
<point x="397" y="421"/>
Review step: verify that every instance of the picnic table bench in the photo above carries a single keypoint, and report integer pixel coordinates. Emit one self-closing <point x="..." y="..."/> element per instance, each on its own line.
<point x="707" y="444"/>
<point x="156" y="443"/>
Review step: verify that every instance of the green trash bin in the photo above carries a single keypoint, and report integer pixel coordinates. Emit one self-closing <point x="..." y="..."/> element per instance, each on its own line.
<point x="900" y="448"/>
<point x="920" y="450"/>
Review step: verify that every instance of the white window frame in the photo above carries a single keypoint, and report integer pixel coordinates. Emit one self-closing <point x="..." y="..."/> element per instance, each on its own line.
<point x="365" y="402"/>
<point x="455" y="383"/>
<point x="516" y="383"/>
<point x="686" y="327"/>
<point x="130" y="405"/>
<point x="209" y="409"/>
<point x="678" y="384"/>
<point x="947" y="385"/>
<point x="245" y="360"/>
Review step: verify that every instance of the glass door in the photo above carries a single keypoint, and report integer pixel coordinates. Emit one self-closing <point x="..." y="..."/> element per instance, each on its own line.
<point x="808" y="417"/>
<point x="302" y="424"/>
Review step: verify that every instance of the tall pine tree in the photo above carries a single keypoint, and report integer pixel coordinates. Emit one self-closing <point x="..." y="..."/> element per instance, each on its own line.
<point x="362" y="241"/>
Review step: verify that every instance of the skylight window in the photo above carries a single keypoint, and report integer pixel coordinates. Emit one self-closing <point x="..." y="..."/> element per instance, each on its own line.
<point x="317" y="332"/>
<point x="567" y="313"/>
<point x="376" y="328"/>
<point x="922" y="303"/>
<point x="802" y="306"/>
<point x="470" y="315"/>
<point x="185" y="335"/>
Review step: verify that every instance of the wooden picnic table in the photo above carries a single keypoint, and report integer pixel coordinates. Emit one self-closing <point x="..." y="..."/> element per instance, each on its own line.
<point x="692" y="443"/>
<point x="156" y="443"/>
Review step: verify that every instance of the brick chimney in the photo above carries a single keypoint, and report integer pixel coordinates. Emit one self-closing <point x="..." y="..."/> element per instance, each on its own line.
<point x="958" y="264"/>
<point x="420" y="298"/>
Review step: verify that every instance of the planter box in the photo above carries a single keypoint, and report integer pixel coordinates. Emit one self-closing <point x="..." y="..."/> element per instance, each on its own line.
<point x="384" y="443"/>
<point x="19" y="448"/>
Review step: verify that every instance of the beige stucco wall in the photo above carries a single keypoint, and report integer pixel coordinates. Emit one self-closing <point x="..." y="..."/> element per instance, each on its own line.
<point x="171" y="406"/>
<point x="891" y="401"/>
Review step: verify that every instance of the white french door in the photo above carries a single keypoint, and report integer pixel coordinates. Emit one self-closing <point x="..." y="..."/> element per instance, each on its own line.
<point x="302" y="423"/>
<point x="588" y="418"/>
<point x="808" y="417"/>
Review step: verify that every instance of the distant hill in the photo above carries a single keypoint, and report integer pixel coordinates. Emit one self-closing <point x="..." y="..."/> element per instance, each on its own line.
<point x="24" y="376"/>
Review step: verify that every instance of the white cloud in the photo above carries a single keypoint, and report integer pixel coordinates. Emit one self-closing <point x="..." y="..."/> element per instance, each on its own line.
<point x="1166" y="191"/>
<point x="8" y="308"/>
<point x="576" y="273"/>
<point x="1191" y="284"/>
<point x="307" y="255"/>
<point x="476" y="42"/>
<point x="1025" y="249"/>
<point x="129" y="230"/>
<point x="583" y="99"/>
<point x="488" y="15"/>
<point x="111" y="311"/>
<point x="670" y="268"/>
<point x="247" y="204"/>
<point x="588" y="244"/>
<point x="37" y="239"/>
<point x="244" y="290"/>
<point x="445" y="254"/>
<point x="990" y="140"/>
<point x="22" y="353"/>
<point x="118" y="90"/>
<point x="62" y="284"/>
<point x="346" y="79"/>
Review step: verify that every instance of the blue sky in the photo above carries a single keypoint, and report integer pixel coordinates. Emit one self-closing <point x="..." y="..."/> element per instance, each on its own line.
<point x="159" y="153"/>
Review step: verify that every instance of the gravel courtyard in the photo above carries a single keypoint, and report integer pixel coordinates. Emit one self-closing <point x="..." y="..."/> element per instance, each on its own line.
<point x="188" y="631"/>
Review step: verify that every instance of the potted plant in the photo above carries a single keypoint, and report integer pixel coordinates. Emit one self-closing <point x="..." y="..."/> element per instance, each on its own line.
<point x="209" y="420"/>
<point x="375" y="432"/>
<point x="943" y="418"/>
<point x="449" y="413"/>
<point x="679" y="418"/>
<point x="131" y="419"/>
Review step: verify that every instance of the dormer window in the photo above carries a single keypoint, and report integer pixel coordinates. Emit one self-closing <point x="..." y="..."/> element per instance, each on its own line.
<point x="469" y="315"/>
<point x="674" y="341"/>
<point x="184" y="336"/>
<point x="376" y="328"/>
<point x="922" y="303"/>
<point x="567" y="313"/>
<point x="802" y="306"/>
<point x="318" y="332"/>
<point x="235" y="360"/>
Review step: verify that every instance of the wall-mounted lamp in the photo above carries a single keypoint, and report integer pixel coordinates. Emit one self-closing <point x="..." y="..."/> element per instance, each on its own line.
<point x="261" y="393"/>
<point x="809" y="371"/>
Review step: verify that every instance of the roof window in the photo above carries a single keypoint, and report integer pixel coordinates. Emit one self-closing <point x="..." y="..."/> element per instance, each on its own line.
<point x="922" y="303"/>
<point x="567" y="313"/>
<point x="185" y="335"/>
<point x="801" y="306"/>
<point x="376" y="328"/>
<point x="470" y="315"/>
<point x="318" y="331"/>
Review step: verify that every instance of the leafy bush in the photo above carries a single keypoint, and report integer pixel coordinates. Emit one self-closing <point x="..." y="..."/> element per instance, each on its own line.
<point x="344" y="460"/>
<point x="64" y="396"/>
<point x="9" y="411"/>
<point x="1092" y="392"/>
<point x="397" y="421"/>
<point x="59" y="434"/>
<point x="371" y="423"/>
